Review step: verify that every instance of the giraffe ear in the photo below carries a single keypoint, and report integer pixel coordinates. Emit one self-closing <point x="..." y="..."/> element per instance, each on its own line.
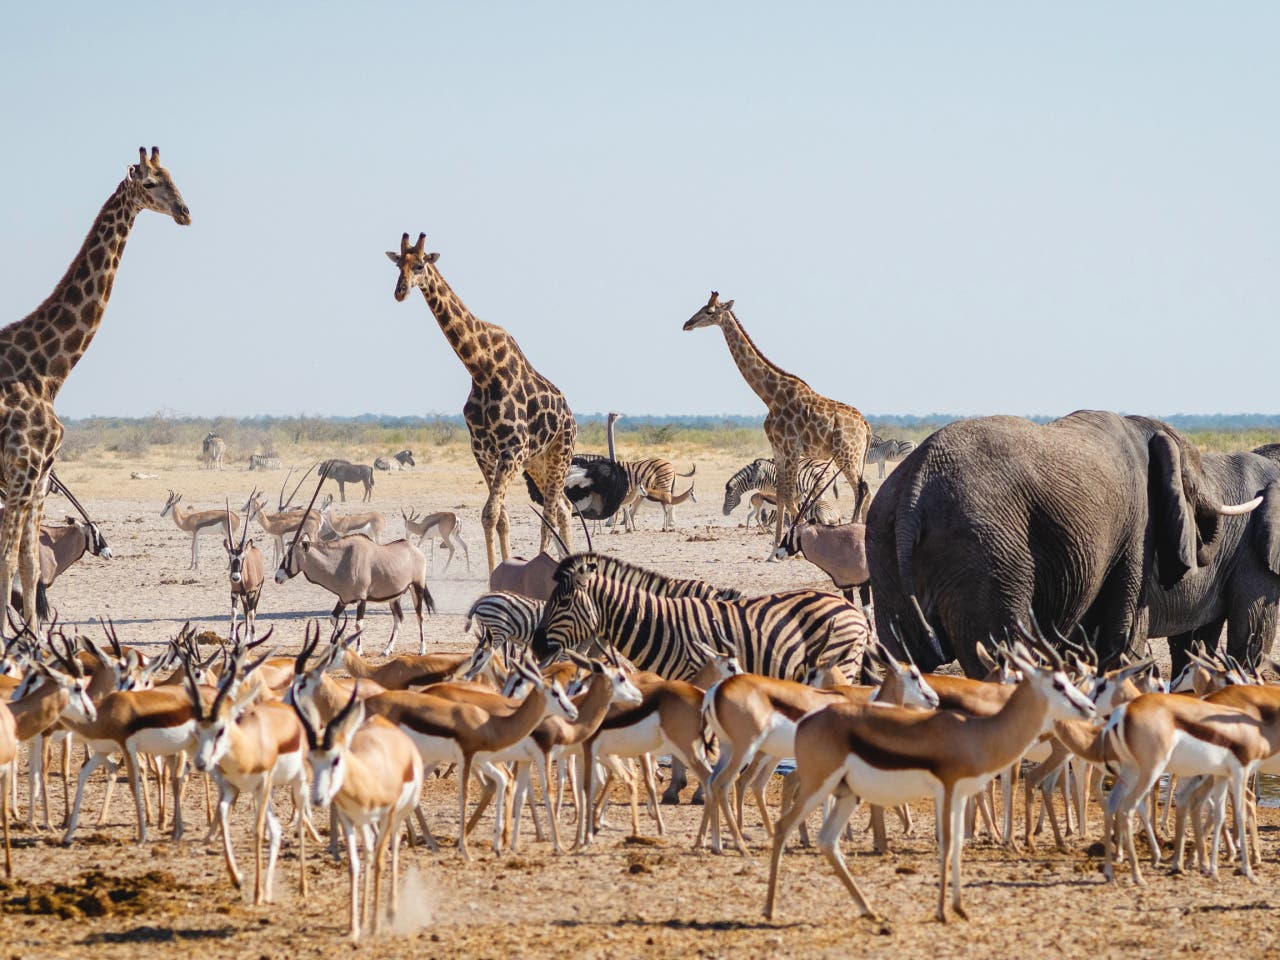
<point x="727" y="305"/>
<point x="432" y="257"/>
<point x="393" y="257"/>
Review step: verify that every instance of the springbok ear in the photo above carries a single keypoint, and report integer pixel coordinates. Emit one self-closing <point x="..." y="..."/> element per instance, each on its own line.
<point x="393" y="257"/>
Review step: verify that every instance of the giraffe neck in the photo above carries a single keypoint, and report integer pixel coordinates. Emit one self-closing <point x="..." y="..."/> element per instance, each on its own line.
<point x="763" y="376"/>
<point x="43" y="347"/>
<point x="466" y="334"/>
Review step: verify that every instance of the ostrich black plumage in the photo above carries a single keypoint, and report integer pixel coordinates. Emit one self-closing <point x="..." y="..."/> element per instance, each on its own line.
<point x="596" y="485"/>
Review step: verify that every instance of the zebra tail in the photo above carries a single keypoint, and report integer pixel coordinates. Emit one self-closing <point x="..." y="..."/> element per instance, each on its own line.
<point x="708" y="738"/>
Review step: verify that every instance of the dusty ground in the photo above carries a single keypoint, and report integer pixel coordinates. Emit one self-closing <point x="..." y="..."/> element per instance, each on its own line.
<point x="108" y="897"/>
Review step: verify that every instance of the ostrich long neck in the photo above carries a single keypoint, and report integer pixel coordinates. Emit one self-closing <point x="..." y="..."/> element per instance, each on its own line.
<point x="43" y="347"/>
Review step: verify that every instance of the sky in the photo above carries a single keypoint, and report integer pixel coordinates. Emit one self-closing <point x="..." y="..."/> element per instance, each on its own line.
<point x="918" y="207"/>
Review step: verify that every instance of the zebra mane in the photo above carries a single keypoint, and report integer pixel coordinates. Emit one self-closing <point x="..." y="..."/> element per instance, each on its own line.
<point x="629" y="574"/>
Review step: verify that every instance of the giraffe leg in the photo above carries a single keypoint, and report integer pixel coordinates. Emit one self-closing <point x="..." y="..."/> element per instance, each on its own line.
<point x="491" y="515"/>
<point x="786" y="497"/>
<point x="29" y="561"/>
<point x="11" y="529"/>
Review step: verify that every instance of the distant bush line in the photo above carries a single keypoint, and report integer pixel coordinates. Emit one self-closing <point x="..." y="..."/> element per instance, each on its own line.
<point x="371" y="434"/>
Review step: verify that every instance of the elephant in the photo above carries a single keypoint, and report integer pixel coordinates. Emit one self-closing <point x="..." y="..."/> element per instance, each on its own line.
<point x="1241" y="584"/>
<point x="996" y="520"/>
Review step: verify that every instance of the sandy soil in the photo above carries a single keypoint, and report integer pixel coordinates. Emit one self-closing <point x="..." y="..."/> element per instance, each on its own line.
<point x="108" y="897"/>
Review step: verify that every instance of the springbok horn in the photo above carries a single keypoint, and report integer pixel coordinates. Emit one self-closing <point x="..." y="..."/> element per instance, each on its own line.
<point x="341" y="716"/>
<point x="307" y="728"/>
<point x="1235" y="510"/>
<point x="308" y="647"/>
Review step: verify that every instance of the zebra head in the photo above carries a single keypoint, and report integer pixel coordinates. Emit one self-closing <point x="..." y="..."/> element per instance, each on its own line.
<point x="732" y="497"/>
<point x="570" y="618"/>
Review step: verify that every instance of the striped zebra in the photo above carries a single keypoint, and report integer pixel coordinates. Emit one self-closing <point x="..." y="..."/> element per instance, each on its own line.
<point x="887" y="450"/>
<point x="505" y="617"/>
<point x="762" y="474"/>
<point x="598" y="596"/>
<point x="653" y="479"/>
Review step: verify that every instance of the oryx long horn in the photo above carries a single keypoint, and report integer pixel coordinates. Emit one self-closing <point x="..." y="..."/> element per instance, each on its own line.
<point x="324" y="473"/>
<point x="554" y="533"/>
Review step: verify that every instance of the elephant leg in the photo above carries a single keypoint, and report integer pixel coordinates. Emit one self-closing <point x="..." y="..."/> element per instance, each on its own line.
<point x="1251" y="627"/>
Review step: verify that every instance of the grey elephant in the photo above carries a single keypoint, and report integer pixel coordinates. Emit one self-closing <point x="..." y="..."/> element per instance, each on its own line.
<point x="1241" y="583"/>
<point x="994" y="517"/>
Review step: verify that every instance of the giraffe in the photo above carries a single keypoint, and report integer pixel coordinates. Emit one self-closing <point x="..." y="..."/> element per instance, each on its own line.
<point x="801" y="422"/>
<point x="39" y="351"/>
<point x="517" y="418"/>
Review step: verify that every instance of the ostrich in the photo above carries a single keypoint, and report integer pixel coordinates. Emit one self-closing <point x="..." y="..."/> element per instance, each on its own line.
<point x="596" y="485"/>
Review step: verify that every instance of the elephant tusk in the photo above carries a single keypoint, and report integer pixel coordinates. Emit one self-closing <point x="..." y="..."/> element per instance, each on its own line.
<point x="1239" y="508"/>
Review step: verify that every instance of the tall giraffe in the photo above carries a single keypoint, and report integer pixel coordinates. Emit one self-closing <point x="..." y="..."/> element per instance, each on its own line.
<point x="518" y="419"/>
<point x="39" y="351"/>
<point x="801" y="422"/>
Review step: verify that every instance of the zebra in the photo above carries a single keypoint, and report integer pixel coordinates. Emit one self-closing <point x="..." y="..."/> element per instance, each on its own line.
<point x="657" y="622"/>
<point x="652" y="479"/>
<point x="264" y="461"/>
<point x="597" y="596"/>
<point x="212" y="450"/>
<point x="887" y="450"/>
<point x="762" y="474"/>
<point x="505" y="617"/>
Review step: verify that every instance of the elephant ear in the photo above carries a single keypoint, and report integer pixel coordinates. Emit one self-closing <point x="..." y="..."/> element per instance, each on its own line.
<point x="1266" y="527"/>
<point x="1173" y="523"/>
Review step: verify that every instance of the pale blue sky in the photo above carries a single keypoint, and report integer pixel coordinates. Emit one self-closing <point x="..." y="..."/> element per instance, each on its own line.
<point x="969" y="208"/>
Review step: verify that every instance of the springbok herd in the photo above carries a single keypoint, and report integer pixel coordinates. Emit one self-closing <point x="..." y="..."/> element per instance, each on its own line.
<point x="588" y="668"/>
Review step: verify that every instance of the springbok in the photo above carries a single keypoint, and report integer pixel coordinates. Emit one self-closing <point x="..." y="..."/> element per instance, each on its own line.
<point x="247" y="575"/>
<point x="466" y="733"/>
<point x="893" y="755"/>
<point x="371" y="774"/>
<point x="194" y="521"/>
<point x="443" y="526"/>
<point x="250" y="750"/>
<point x="369" y="523"/>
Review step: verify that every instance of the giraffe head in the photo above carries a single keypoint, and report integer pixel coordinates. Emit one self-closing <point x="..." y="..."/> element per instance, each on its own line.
<point x="151" y="187"/>
<point x="413" y="262"/>
<point x="713" y="313"/>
